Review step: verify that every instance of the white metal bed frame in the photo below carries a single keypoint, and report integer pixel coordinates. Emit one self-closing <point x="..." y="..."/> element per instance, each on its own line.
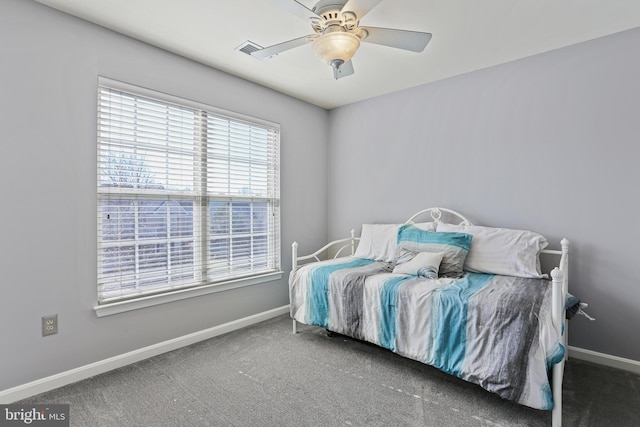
<point x="559" y="280"/>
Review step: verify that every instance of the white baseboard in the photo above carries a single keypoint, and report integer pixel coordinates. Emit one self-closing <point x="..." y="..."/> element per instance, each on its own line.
<point x="605" y="359"/>
<point x="83" y="372"/>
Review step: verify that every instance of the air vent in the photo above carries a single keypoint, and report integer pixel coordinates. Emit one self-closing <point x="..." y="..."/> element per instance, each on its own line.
<point x="248" y="47"/>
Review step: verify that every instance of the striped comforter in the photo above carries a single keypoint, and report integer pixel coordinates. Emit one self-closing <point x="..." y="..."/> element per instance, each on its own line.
<point x="491" y="330"/>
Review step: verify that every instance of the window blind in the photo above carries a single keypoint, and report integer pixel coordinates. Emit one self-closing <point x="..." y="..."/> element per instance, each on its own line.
<point x="188" y="195"/>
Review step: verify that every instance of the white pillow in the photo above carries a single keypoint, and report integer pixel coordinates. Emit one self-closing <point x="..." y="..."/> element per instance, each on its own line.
<point x="424" y="264"/>
<point x="501" y="251"/>
<point x="427" y="226"/>
<point x="378" y="242"/>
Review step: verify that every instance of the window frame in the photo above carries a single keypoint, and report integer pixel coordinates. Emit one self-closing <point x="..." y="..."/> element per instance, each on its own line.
<point x="204" y="285"/>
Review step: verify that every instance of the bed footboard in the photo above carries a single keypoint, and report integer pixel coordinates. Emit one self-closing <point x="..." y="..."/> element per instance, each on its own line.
<point x="338" y="246"/>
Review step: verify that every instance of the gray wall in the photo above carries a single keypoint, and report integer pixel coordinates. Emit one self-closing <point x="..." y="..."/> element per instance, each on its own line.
<point x="48" y="73"/>
<point x="547" y="143"/>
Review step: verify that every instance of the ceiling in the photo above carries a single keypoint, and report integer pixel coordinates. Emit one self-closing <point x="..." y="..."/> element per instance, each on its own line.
<point x="467" y="35"/>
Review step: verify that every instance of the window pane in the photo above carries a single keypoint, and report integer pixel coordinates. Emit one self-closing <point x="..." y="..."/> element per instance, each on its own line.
<point x="260" y="251"/>
<point x="146" y="144"/>
<point x="239" y="243"/>
<point x="152" y="219"/>
<point x="125" y="168"/>
<point x="260" y="218"/>
<point x="219" y="258"/>
<point x="152" y="264"/>
<point x="241" y="218"/>
<point x="219" y="218"/>
<point x="182" y="266"/>
<point x="118" y="219"/>
<point x="241" y="253"/>
<point x="181" y="214"/>
<point x="119" y="261"/>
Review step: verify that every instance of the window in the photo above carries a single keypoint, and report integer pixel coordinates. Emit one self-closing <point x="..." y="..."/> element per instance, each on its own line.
<point x="188" y="195"/>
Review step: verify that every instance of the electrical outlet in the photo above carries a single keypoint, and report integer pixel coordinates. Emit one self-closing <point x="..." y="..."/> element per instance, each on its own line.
<point x="49" y="325"/>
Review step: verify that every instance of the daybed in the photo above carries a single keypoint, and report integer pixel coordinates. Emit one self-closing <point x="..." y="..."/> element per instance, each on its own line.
<point x="469" y="300"/>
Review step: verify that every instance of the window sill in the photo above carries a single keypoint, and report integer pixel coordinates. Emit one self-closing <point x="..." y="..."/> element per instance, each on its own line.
<point x="151" y="300"/>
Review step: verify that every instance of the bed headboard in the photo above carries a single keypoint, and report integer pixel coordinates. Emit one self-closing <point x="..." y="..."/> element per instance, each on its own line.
<point x="436" y="214"/>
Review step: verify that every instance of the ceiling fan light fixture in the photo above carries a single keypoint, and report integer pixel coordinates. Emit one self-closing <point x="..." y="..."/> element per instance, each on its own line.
<point x="337" y="32"/>
<point x="336" y="46"/>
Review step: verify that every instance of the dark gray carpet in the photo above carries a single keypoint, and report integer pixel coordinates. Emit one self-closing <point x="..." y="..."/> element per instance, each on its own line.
<point x="266" y="376"/>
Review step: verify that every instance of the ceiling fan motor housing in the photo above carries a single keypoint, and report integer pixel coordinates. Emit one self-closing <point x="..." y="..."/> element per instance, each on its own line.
<point x="329" y="9"/>
<point x="330" y="14"/>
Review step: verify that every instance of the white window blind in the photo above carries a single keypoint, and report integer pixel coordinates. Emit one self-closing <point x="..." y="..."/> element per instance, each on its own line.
<point x="188" y="195"/>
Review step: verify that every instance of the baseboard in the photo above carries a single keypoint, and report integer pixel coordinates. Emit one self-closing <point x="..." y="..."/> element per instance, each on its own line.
<point x="83" y="372"/>
<point x="605" y="359"/>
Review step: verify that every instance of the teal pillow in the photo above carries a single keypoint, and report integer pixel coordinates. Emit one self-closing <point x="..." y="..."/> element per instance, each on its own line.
<point x="455" y="247"/>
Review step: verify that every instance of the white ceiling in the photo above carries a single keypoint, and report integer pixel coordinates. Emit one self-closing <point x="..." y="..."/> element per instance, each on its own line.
<point x="467" y="35"/>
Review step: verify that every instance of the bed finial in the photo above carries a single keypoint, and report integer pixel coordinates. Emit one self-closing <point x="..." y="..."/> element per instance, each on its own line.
<point x="294" y="256"/>
<point x="353" y="242"/>
<point x="436" y="214"/>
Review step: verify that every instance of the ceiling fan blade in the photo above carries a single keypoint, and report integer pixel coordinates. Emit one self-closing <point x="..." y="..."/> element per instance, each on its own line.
<point x="402" y="39"/>
<point x="281" y="47"/>
<point x="344" y="70"/>
<point x="294" y="7"/>
<point x="360" y="7"/>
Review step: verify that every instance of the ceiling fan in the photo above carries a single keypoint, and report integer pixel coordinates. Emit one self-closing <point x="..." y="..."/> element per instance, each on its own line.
<point x="338" y="33"/>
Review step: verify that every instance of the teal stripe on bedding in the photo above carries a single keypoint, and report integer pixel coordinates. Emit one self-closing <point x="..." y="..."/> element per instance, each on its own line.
<point x="450" y="333"/>
<point x="554" y="356"/>
<point x="410" y="233"/>
<point x="318" y="297"/>
<point x="547" y="398"/>
<point x="388" y="300"/>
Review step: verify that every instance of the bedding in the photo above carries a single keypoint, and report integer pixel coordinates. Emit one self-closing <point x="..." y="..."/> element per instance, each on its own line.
<point x="492" y="330"/>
